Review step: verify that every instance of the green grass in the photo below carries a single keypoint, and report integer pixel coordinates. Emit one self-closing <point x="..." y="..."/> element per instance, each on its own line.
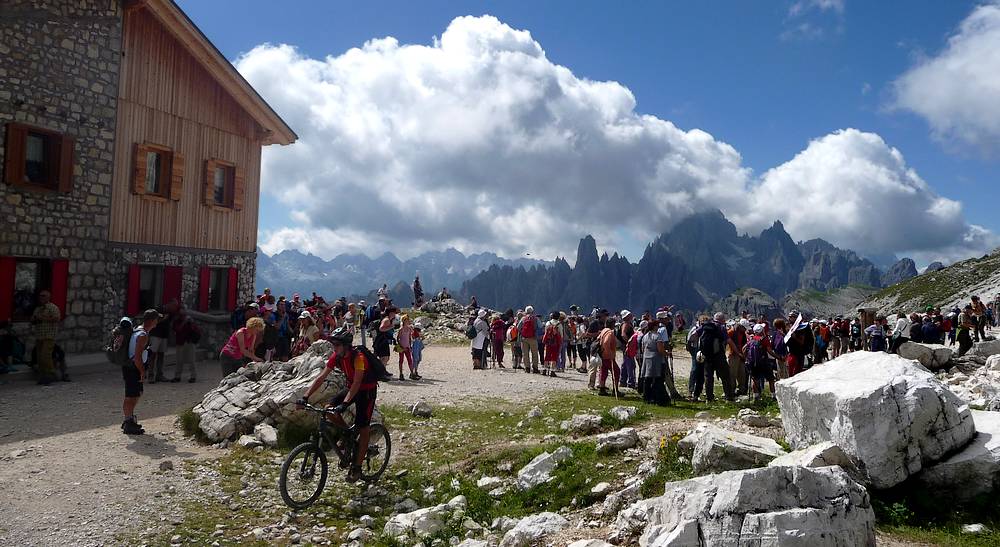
<point x="669" y="468"/>
<point x="915" y="514"/>
<point x="189" y="423"/>
<point x="941" y="287"/>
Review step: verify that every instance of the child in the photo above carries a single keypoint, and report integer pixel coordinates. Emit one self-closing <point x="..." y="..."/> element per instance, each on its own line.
<point x="551" y="340"/>
<point x="417" y="350"/>
<point x="404" y="346"/>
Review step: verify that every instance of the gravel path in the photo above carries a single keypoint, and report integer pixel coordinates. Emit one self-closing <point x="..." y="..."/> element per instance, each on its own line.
<point x="70" y="477"/>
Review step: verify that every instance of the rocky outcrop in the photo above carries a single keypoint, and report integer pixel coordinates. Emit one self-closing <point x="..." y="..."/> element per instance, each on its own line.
<point x="582" y="424"/>
<point x="931" y="356"/>
<point x="818" y="455"/>
<point x="979" y="387"/>
<point x="898" y="272"/>
<point x="975" y="471"/>
<point x="616" y="441"/>
<point x="816" y="507"/>
<point x="888" y="413"/>
<point x="264" y="391"/>
<point x="753" y="301"/>
<point x="714" y="449"/>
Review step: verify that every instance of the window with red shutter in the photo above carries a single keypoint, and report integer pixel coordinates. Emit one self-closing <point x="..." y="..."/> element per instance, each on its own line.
<point x="204" y="282"/>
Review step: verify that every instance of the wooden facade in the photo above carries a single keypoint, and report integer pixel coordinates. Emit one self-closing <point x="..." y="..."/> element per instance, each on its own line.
<point x="168" y="99"/>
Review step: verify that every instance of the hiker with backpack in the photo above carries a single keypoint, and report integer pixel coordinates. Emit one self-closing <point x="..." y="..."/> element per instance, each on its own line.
<point x="383" y="335"/>
<point x="758" y="358"/>
<point x="594" y="329"/>
<point x="696" y="379"/>
<point x="186" y="335"/>
<point x="498" y="333"/>
<point x="712" y="343"/>
<point x="134" y="370"/>
<point x="653" y="364"/>
<point x="515" y="343"/>
<point x="528" y="329"/>
<point x="737" y="332"/>
<point x="480" y="331"/>
<point x="607" y="343"/>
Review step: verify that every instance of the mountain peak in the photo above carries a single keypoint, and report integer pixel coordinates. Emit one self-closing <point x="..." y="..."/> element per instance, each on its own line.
<point x="586" y="251"/>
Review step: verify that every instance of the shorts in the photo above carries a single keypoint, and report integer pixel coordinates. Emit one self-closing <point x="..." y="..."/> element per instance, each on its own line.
<point x="133" y="383"/>
<point x="364" y="405"/>
<point x="157" y="344"/>
<point x="381" y="346"/>
<point x="477" y="353"/>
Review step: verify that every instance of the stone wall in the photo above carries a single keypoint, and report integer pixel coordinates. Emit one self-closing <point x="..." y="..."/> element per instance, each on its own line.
<point x="121" y="256"/>
<point x="60" y="72"/>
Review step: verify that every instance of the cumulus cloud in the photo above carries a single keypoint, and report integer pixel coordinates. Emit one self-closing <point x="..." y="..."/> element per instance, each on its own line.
<point x="853" y="189"/>
<point x="957" y="91"/>
<point x="802" y="6"/>
<point x="476" y="140"/>
<point x="479" y="141"/>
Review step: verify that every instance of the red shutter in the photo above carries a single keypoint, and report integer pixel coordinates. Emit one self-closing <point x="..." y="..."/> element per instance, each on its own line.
<point x="7" y="266"/>
<point x="132" y="297"/>
<point x="233" y="285"/>
<point x="60" y="281"/>
<point x="65" y="183"/>
<point x="172" y="276"/>
<point x="204" y="279"/>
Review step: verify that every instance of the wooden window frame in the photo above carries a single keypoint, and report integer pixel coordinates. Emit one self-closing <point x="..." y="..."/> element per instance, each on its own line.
<point x="235" y="187"/>
<point x="171" y="172"/>
<point x="58" y="160"/>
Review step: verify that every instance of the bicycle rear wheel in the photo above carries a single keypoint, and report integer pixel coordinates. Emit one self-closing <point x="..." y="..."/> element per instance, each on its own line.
<point x="303" y="476"/>
<point x="377" y="456"/>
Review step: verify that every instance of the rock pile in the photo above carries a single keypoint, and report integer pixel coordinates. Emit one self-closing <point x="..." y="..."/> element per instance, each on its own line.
<point x="888" y="413"/>
<point x="447" y="321"/>
<point x="979" y="386"/>
<point x="263" y="392"/>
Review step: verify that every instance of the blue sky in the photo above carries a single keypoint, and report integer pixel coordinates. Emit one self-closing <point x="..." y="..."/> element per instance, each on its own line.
<point x="763" y="77"/>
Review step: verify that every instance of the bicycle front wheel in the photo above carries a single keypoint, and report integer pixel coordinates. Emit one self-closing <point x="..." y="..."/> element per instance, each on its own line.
<point x="377" y="456"/>
<point x="303" y="476"/>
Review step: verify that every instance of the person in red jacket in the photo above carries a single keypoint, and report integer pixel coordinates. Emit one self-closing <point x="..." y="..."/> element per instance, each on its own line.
<point x="552" y="342"/>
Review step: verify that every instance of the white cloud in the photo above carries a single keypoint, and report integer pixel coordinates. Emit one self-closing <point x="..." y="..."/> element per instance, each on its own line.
<point x="854" y="190"/>
<point x="480" y="142"/>
<point x="958" y="90"/>
<point x="475" y="140"/>
<point x="802" y="6"/>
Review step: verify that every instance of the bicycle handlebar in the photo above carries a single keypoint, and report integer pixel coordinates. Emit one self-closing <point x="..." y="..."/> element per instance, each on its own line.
<point x="322" y="410"/>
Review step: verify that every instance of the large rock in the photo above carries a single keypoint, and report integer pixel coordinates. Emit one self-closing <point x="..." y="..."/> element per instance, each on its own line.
<point x="539" y="470"/>
<point x="979" y="387"/>
<point x="975" y="470"/>
<point x="888" y="413"/>
<point x="931" y="356"/>
<point x="766" y="506"/>
<point x="582" y="424"/>
<point x="422" y="522"/>
<point x="616" y="441"/>
<point x="985" y="348"/>
<point x="265" y="390"/>
<point x="715" y="449"/>
<point x="532" y="528"/>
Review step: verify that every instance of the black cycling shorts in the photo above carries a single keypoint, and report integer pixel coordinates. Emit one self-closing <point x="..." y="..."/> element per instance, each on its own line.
<point x="364" y="405"/>
<point x="133" y="383"/>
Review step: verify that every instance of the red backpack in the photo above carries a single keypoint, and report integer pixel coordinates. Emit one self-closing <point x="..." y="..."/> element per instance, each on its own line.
<point x="528" y="327"/>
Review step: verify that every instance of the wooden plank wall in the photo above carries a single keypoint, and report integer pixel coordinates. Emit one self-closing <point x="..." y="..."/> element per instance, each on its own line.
<point x="167" y="98"/>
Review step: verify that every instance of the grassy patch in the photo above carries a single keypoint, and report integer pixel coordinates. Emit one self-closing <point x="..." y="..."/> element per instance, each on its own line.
<point x="670" y="467"/>
<point x="915" y="514"/>
<point x="189" y="423"/>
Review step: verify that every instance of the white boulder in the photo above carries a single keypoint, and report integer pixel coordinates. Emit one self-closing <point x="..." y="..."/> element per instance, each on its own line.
<point x="590" y="543"/>
<point x="985" y="349"/>
<point x="265" y="390"/>
<point x="539" y="470"/>
<point x="266" y="434"/>
<point x="421" y="410"/>
<point x="582" y="424"/>
<point x="422" y="522"/>
<point x="249" y="441"/>
<point x="623" y="413"/>
<point x="932" y="356"/>
<point x="715" y="449"/>
<point x="975" y="470"/>
<point x="616" y="441"/>
<point x="813" y="506"/>
<point x="818" y="455"/>
<point x="532" y="528"/>
<point x="752" y="418"/>
<point x="888" y="413"/>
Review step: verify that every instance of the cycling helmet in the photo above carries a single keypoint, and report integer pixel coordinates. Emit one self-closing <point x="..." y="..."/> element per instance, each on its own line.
<point x="341" y="335"/>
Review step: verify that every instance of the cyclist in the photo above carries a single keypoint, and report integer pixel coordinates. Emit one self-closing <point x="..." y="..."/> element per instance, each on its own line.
<point x="361" y="391"/>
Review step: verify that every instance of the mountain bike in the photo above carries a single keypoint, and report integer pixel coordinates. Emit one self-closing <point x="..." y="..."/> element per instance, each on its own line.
<point x="305" y="470"/>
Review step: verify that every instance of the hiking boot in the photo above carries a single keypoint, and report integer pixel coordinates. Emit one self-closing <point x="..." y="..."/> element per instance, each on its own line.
<point x="401" y="377"/>
<point x="545" y="373"/>
<point x="552" y="374"/>
<point x="535" y="370"/>
<point x="131" y="428"/>
<point x="354" y="474"/>
<point x="603" y="392"/>
<point x="413" y="376"/>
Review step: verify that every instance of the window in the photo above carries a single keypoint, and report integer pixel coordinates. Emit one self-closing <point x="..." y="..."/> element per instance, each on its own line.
<point x="218" y="289"/>
<point x="158" y="172"/>
<point x="224" y="185"/>
<point x="150" y="287"/>
<point x="30" y="277"/>
<point x="38" y="158"/>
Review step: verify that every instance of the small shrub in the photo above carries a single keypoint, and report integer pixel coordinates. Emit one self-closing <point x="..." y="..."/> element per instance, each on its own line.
<point x="669" y="468"/>
<point x="292" y="434"/>
<point x="190" y="424"/>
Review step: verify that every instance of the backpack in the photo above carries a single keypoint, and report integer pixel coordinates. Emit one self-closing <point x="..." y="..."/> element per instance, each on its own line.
<point x="756" y="357"/>
<point x="692" y="341"/>
<point x="373" y="314"/>
<point x="528" y="327"/>
<point x="710" y="341"/>
<point x="512" y="333"/>
<point x="470" y="332"/>
<point x="596" y="349"/>
<point x="117" y="348"/>
<point x="376" y="369"/>
<point x="778" y="344"/>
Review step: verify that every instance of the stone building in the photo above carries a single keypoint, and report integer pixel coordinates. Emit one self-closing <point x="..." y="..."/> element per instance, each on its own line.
<point x="131" y="164"/>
